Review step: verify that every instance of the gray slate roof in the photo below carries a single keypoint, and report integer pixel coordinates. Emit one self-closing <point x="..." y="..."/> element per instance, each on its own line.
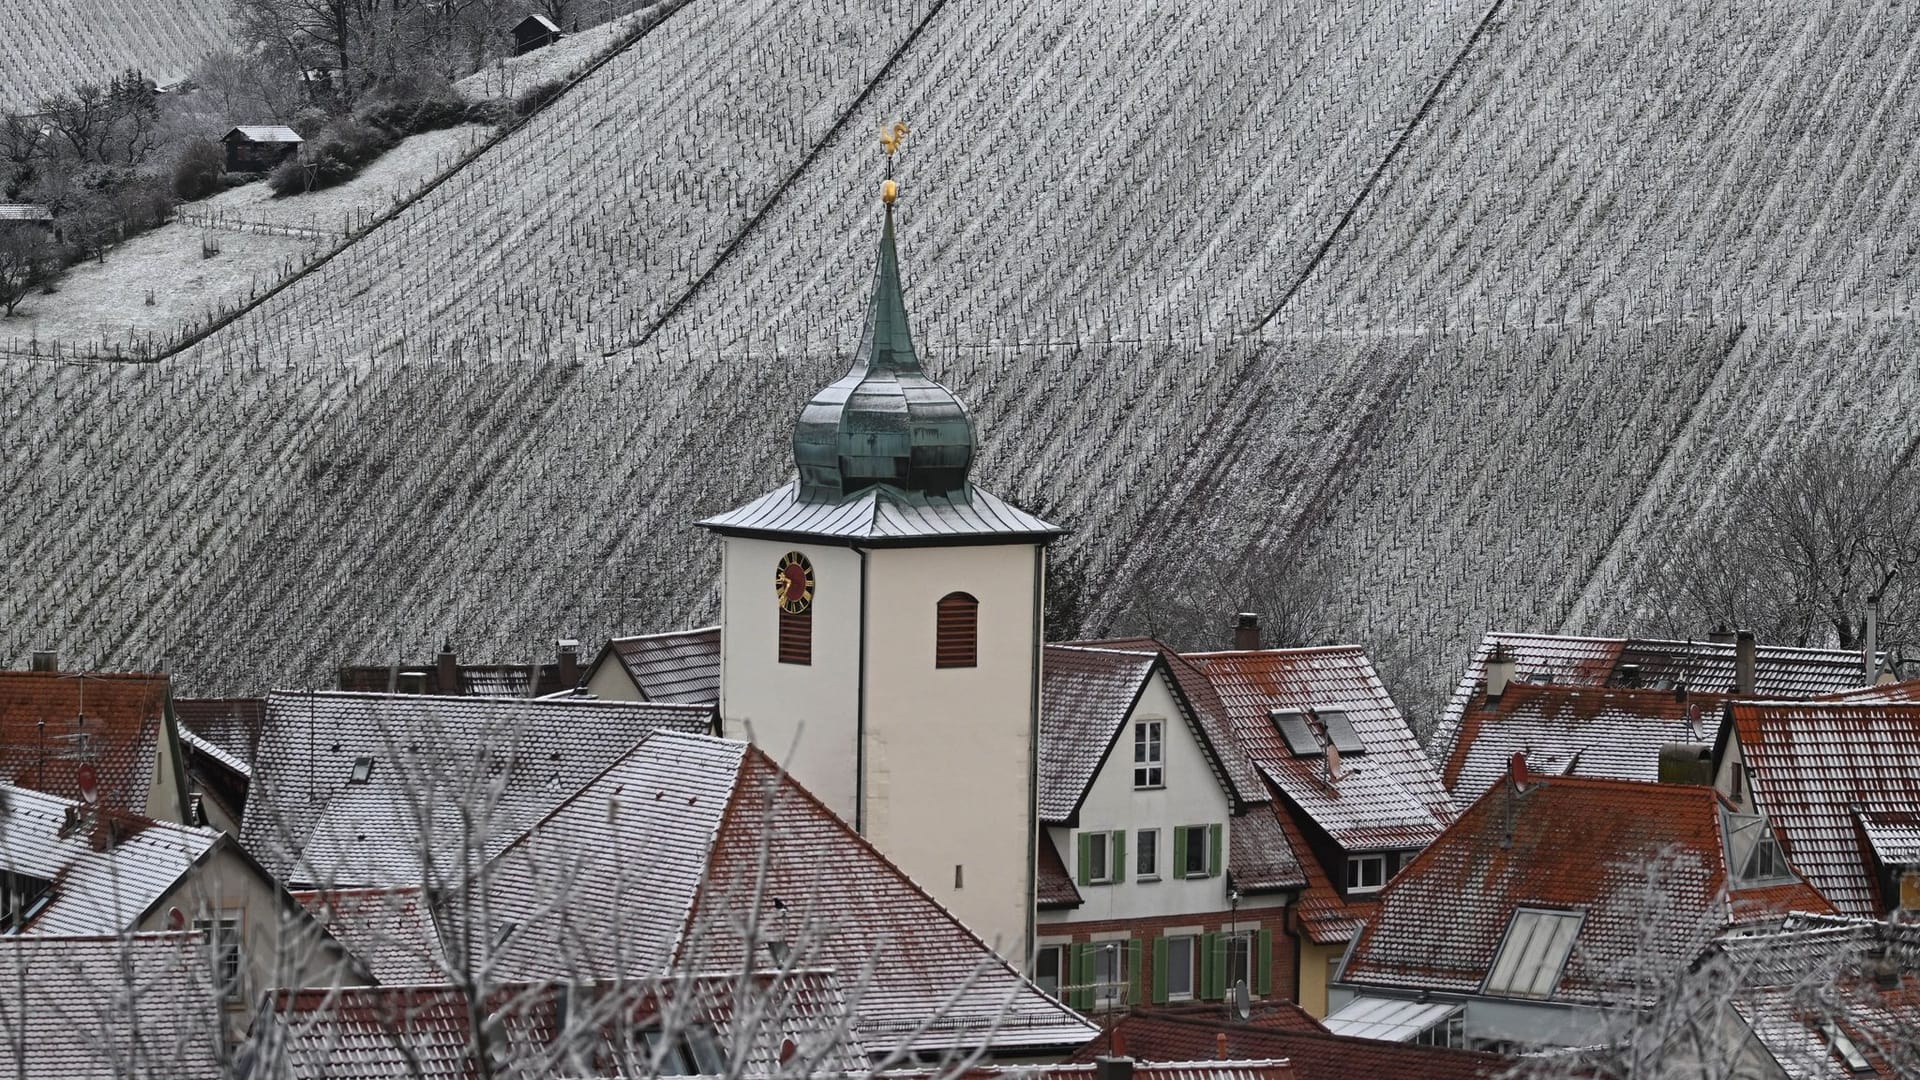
<point x="706" y="811"/>
<point x="682" y="666"/>
<point x="513" y="758"/>
<point x="106" y="1006"/>
<point x="883" y="515"/>
<point x="95" y="891"/>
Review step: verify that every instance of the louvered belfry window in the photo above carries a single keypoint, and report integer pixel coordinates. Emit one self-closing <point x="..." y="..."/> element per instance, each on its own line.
<point x="957" y="632"/>
<point x="796" y="637"/>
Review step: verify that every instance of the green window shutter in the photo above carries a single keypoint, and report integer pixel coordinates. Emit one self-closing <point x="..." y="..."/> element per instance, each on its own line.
<point x="1215" y="834"/>
<point x="1179" y="852"/>
<point x="1081" y="996"/>
<point x="1117" y="872"/>
<point x="1263" y="962"/>
<point x="1159" y="971"/>
<point x="1210" y="966"/>
<point x="1135" y="949"/>
<point x="1086" y="859"/>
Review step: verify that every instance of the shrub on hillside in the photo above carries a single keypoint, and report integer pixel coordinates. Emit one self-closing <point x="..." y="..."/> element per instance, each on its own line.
<point x="201" y="170"/>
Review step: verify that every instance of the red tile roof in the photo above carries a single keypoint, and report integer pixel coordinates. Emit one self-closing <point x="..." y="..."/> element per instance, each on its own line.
<point x="1208" y="711"/>
<point x="1812" y="765"/>
<point x="1086" y="695"/>
<point x="1055" y="887"/>
<point x="1193" y="1034"/>
<point x="1576" y="731"/>
<point x="1388" y="797"/>
<point x="390" y="931"/>
<point x="53" y="722"/>
<point x="726" y="833"/>
<point x="232" y="724"/>
<point x="1261" y="858"/>
<point x="1780" y="672"/>
<point x="1645" y="864"/>
<point x="681" y="666"/>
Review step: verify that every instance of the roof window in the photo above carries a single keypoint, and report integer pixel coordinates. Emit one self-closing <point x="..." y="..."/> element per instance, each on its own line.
<point x="1754" y="856"/>
<point x="362" y="771"/>
<point x="1340" y="731"/>
<point x="1534" y="953"/>
<point x="1293" y="727"/>
<point x="1845" y="1049"/>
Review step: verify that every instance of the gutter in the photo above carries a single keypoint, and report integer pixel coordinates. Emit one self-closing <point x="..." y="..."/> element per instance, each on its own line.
<point x="860" y="711"/>
<point x="1033" y="752"/>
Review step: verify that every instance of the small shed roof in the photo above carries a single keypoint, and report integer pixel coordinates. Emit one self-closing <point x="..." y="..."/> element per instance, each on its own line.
<point x="267" y="133"/>
<point x="540" y="21"/>
<point x="24" y="212"/>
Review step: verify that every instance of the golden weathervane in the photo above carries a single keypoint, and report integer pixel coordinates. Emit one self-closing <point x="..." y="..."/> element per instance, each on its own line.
<point x="890" y="140"/>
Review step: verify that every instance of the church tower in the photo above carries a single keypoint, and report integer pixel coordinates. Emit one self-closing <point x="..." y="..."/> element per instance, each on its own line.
<point x="882" y="627"/>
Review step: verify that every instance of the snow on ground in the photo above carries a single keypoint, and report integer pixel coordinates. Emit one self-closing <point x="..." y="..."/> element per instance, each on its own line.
<point x="49" y="45"/>
<point x="510" y="76"/>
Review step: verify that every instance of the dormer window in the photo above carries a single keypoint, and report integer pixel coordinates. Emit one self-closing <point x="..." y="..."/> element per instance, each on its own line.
<point x="24" y="897"/>
<point x="362" y="771"/>
<point x="1366" y="873"/>
<point x="957" y="631"/>
<point x="1754" y="856"/>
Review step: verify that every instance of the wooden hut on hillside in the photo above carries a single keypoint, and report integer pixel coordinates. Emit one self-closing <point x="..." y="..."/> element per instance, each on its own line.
<point x="536" y="31"/>
<point x="258" y="148"/>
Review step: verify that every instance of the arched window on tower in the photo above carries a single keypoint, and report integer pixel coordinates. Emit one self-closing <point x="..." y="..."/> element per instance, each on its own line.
<point x="957" y="632"/>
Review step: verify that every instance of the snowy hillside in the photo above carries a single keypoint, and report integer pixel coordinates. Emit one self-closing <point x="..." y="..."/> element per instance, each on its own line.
<point x="50" y="44"/>
<point x="1475" y="303"/>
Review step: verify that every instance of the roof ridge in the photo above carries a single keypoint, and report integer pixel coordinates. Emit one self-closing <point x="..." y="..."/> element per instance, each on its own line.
<point x="1149" y="653"/>
<point x="1293" y="650"/>
<point x="425" y="701"/>
<point x="663" y="634"/>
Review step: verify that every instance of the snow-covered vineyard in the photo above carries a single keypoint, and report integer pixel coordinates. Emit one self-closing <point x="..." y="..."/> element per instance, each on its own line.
<point x="1473" y="303"/>
<point x="47" y="43"/>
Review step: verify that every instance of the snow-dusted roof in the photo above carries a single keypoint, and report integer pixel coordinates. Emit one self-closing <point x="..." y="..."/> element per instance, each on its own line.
<point x="1635" y="862"/>
<point x="541" y="21"/>
<point x="24" y="212"/>
<point x="218" y="754"/>
<point x="681" y="665"/>
<point x="1813" y="765"/>
<point x="1707" y="667"/>
<point x="422" y="753"/>
<point x="53" y="721"/>
<point x="885" y="515"/>
<point x="1574" y="730"/>
<point x="1391" y="1019"/>
<point x="95" y="1005"/>
<point x="390" y="931"/>
<point x="705" y="810"/>
<point x="1085" y="697"/>
<point x="105" y="876"/>
<point x="268" y="133"/>
<point x="1386" y="797"/>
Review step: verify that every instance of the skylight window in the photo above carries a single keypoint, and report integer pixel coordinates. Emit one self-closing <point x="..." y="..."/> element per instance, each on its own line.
<point x="1534" y="953"/>
<point x="1340" y="731"/>
<point x="1753" y="853"/>
<point x="362" y="771"/>
<point x="1845" y="1049"/>
<point x="1293" y="727"/>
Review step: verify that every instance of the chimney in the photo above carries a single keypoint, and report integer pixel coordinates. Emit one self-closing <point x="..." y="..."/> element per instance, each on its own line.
<point x="1870" y="651"/>
<point x="1686" y="763"/>
<point x="1500" y="672"/>
<point x="45" y="660"/>
<point x="1112" y="1068"/>
<point x="1721" y="635"/>
<point x="569" y="663"/>
<point x="1246" y="631"/>
<point x="446" y="670"/>
<point x="1746" y="663"/>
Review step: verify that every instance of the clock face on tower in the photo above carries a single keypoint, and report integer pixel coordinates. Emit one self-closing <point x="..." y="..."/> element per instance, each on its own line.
<point x="793" y="581"/>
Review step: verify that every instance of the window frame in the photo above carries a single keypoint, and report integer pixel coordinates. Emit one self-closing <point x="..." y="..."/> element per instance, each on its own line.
<point x="1561" y="918"/>
<point x="1359" y="862"/>
<point x="1146" y="855"/>
<point x="956" y="631"/>
<point x="1059" y="954"/>
<point x="1191" y="967"/>
<point x="226" y="941"/>
<point x="1109" y="992"/>
<point x="1149" y="769"/>
<point x="1238" y="946"/>
<point x="1186" y="839"/>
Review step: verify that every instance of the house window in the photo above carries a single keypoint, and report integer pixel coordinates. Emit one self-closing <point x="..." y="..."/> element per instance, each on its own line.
<point x="1103" y="857"/>
<point x="1450" y="1032"/>
<point x="957" y="632"/>
<point x="223" y="937"/>
<point x="1366" y="873"/>
<point x="1534" y="952"/>
<point x="362" y="771"/>
<point x="796" y="637"/>
<point x="694" y="1052"/>
<point x="1149" y="768"/>
<point x="1146" y="859"/>
<point x="1239" y="959"/>
<point x="1181" y="958"/>
<point x="24" y="896"/>
<point x="1110" y="973"/>
<point x="1046" y="968"/>
<point x="1738" y="782"/>
<point x="1196" y="850"/>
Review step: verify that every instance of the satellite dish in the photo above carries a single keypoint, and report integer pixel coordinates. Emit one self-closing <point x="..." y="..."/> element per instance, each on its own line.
<point x="89" y="784"/>
<point x="176" y="919"/>
<point x="1518" y="767"/>
<point x="1242" y="1004"/>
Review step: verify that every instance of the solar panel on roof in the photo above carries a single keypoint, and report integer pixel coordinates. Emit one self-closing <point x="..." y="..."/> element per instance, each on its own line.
<point x="1340" y="731"/>
<point x="1293" y="727"/>
<point x="1534" y="952"/>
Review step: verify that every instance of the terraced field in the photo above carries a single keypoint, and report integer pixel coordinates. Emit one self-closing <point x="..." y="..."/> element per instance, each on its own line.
<point x="1472" y="309"/>
<point x="51" y="44"/>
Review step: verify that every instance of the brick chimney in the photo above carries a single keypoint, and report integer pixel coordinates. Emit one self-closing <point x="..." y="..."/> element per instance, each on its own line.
<point x="45" y="660"/>
<point x="1246" y="631"/>
<point x="1746" y="663"/>
<point x="446" y="671"/>
<point x="1112" y="1068"/>
<point x="1500" y="671"/>
<point x="569" y="663"/>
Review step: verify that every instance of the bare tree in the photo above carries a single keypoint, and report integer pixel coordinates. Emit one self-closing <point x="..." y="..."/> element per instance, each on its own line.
<point x="27" y="258"/>
<point x="1800" y="552"/>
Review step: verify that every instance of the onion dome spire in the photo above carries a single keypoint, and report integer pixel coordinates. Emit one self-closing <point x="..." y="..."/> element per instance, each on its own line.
<point x="884" y="422"/>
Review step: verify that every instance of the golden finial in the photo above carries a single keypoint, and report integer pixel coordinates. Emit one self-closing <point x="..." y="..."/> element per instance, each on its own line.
<point x="890" y="140"/>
